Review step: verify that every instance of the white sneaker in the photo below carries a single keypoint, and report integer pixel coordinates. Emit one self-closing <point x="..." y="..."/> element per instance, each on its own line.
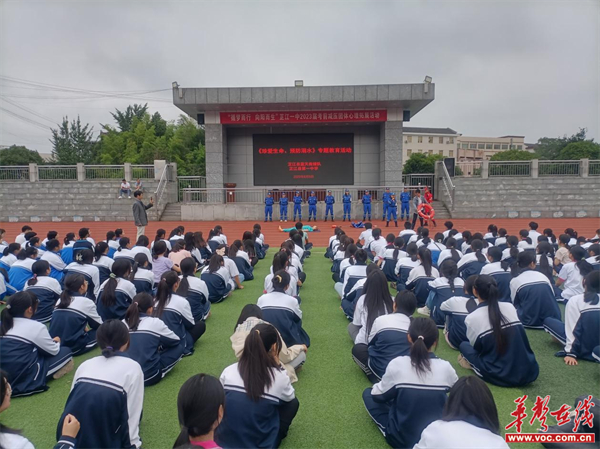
<point x="129" y="197"/>
<point x="424" y="310"/>
<point x="120" y="197"/>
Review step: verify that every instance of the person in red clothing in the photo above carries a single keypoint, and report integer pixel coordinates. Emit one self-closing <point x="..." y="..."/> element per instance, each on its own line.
<point x="428" y="195"/>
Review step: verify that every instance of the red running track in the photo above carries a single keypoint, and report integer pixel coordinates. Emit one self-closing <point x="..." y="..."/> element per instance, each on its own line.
<point x="234" y="229"/>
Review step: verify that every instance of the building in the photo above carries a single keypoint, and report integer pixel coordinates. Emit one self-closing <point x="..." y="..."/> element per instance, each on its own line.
<point x="442" y="141"/>
<point x="483" y="148"/>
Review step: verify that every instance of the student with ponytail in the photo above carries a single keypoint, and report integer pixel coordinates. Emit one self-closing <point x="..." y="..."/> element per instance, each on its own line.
<point x="412" y="392"/>
<point x="84" y="265"/>
<point x="52" y="256"/>
<point x="571" y="274"/>
<point x="450" y="252"/>
<point x="217" y="279"/>
<point x="405" y="265"/>
<point x="526" y="242"/>
<point x="594" y="259"/>
<point x="152" y="344"/>
<point x="194" y="290"/>
<point x="176" y="312"/>
<point x="353" y="274"/>
<point x="107" y="393"/>
<point x="440" y="290"/>
<point x="241" y="260"/>
<point x="112" y="243"/>
<point x="66" y="253"/>
<point x="562" y="253"/>
<point x="141" y="274"/>
<point x="103" y="261"/>
<point x="473" y="262"/>
<point x="74" y="314"/>
<point x="281" y="261"/>
<point x="22" y="270"/>
<point x="9" y="255"/>
<point x="390" y="258"/>
<point x="29" y="355"/>
<point x="260" y="402"/>
<point x="160" y="237"/>
<point x="456" y="309"/>
<point x="499" y="271"/>
<point x="141" y="247"/>
<point x="500" y="241"/>
<point x="117" y="292"/>
<point x="419" y="277"/>
<point x="498" y="349"/>
<point x="351" y="299"/>
<point x="492" y="234"/>
<point x="45" y="288"/>
<point x="124" y="251"/>
<point x="512" y="250"/>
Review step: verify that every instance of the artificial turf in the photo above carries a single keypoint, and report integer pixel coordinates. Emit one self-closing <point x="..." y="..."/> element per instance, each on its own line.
<point x="330" y="384"/>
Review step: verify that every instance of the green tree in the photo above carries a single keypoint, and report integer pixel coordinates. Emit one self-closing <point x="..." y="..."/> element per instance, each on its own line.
<point x="580" y="150"/>
<point x="421" y="163"/>
<point x="550" y="147"/>
<point x="19" y="155"/>
<point x="125" y="119"/>
<point x="73" y="143"/>
<point x="160" y="125"/>
<point x="513" y="155"/>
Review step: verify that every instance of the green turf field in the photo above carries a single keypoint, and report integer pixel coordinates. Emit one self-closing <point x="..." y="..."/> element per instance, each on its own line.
<point x="330" y="384"/>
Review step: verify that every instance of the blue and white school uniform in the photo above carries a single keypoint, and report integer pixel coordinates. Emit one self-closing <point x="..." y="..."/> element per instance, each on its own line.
<point x="468" y="265"/>
<point x="112" y="417"/>
<point x="178" y="317"/>
<point x="501" y="243"/>
<point x="517" y="366"/>
<point x="91" y="274"/>
<point x="124" y="294"/>
<point x="489" y="237"/>
<point x="7" y="261"/>
<point x="456" y="310"/>
<point x="573" y="284"/>
<point x="419" y="282"/>
<point x="20" y="272"/>
<point x="113" y="246"/>
<point x="349" y="301"/>
<point x="378" y="247"/>
<point x="155" y="347"/>
<point x="389" y="264"/>
<point x="406" y="402"/>
<point x="30" y="356"/>
<point x="70" y="325"/>
<point x="80" y="245"/>
<point x="141" y="250"/>
<point x="66" y="253"/>
<point x="580" y="333"/>
<point x="57" y="265"/>
<point x="403" y="268"/>
<point x="292" y="290"/>
<point x="506" y="252"/>
<point x="387" y="340"/>
<point x="435" y="248"/>
<point x="125" y="253"/>
<point x="233" y="271"/>
<point x="168" y="243"/>
<point x="466" y="434"/>
<point x="143" y="280"/>
<point x="197" y="296"/>
<point x="526" y="246"/>
<point x="351" y="276"/>
<point x="360" y="319"/>
<point x="440" y="291"/>
<point x="104" y="265"/>
<point x="173" y="240"/>
<point x="447" y="254"/>
<point x="218" y="283"/>
<point x="47" y="290"/>
<point x="250" y="424"/>
<point x="502" y="278"/>
<point x="533" y="297"/>
<point x="594" y="262"/>
<point x="283" y="312"/>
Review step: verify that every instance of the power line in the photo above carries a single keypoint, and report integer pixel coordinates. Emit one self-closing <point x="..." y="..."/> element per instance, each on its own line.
<point x="28" y="110"/>
<point x="25" y="119"/>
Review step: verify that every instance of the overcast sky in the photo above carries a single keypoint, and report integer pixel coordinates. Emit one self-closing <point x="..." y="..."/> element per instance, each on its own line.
<point x="507" y="67"/>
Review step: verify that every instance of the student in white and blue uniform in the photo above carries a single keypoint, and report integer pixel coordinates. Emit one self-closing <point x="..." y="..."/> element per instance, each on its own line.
<point x="217" y="279"/>
<point x="160" y="237"/>
<point x="194" y="290"/>
<point x="352" y="274"/>
<point x="73" y="315"/>
<point x="27" y="238"/>
<point x="152" y="344"/>
<point x="141" y="247"/>
<point x="526" y="243"/>
<point x="469" y="421"/>
<point x="390" y="259"/>
<point x="473" y="262"/>
<point x="29" y="355"/>
<point x="491" y="235"/>
<point x="580" y="333"/>
<point x="405" y="265"/>
<point x="412" y="392"/>
<point x="499" y="271"/>
<point x="350" y="301"/>
<point x="329" y="202"/>
<point x="112" y="243"/>
<point x="66" y="253"/>
<point x="117" y="292"/>
<point x="84" y="264"/>
<point x="83" y="242"/>
<point x="103" y="261"/>
<point x="21" y="270"/>
<point x="141" y="276"/>
<point x="260" y="402"/>
<point x="241" y="259"/>
<point x="419" y="277"/>
<point x="52" y="256"/>
<point x="593" y="260"/>
<point x="9" y="256"/>
<point x="51" y="235"/>
<point x="450" y="252"/>
<point x="571" y="274"/>
<point x="440" y="290"/>
<point x="20" y="239"/>
<point x="177" y="234"/>
<point x="456" y="309"/>
<point x="124" y="251"/>
<point x="116" y="384"/>
<point x="498" y="348"/>
<point x="281" y="262"/>
<point x="283" y="311"/>
<point x="45" y="288"/>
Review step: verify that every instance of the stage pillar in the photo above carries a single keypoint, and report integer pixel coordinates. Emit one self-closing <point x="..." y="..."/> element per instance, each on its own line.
<point x="390" y="155"/>
<point x="216" y="149"/>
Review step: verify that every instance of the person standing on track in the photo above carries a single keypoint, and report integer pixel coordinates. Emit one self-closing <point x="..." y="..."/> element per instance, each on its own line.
<point x="297" y="205"/>
<point x="366" y="200"/>
<point x="269" y="207"/>
<point x="392" y="211"/>
<point x="140" y="217"/>
<point x="347" y="200"/>
<point x="312" y="206"/>
<point x="283" y="207"/>
<point x="405" y="204"/>
<point x="417" y="201"/>
<point x="386" y="202"/>
<point x="329" y="202"/>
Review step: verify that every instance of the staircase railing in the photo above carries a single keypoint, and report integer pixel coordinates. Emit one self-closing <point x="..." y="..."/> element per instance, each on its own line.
<point x="159" y="193"/>
<point x="448" y="186"/>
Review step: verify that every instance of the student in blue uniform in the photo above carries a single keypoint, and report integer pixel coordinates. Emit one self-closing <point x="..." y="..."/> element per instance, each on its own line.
<point x="405" y="265"/>
<point x="141" y="275"/>
<point x="499" y="271"/>
<point x="260" y="402"/>
<point x="366" y="201"/>
<point x="84" y="264"/>
<point x="73" y="315"/>
<point x="329" y="202"/>
<point x="116" y="384"/>
<point x="412" y="392"/>
<point x="473" y="262"/>
<point x="442" y="289"/>
<point x="352" y="274"/>
<point x="385" y="200"/>
<point x="283" y="207"/>
<point x="152" y="344"/>
<point x="312" y="207"/>
<point x="217" y="279"/>
<point x="571" y="274"/>
<point x="52" y="256"/>
<point x="29" y="355"/>
<point x="405" y="204"/>
<point x="83" y="242"/>
<point x="45" y="288"/>
<point x="456" y="309"/>
<point x="269" y="207"/>
<point x="21" y="270"/>
<point x="194" y="290"/>
<point x="580" y="333"/>
<point x="498" y="349"/>
<point x="117" y="292"/>
<point x="103" y="261"/>
<point x="297" y="205"/>
<point x="392" y="210"/>
<point x="419" y="277"/>
<point x="347" y="204"/>
<point x="9" y="256"/>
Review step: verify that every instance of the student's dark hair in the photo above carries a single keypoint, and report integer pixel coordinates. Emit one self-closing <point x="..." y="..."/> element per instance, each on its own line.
<point x="280" y="261"/>
<point x="452" y="232"/>
<point x="255" y="232"/>
<point x="487" y="290"/>
<point x="256" y="362"/>
<point x="571" y="232"/>
<point x="545" y="250"/>
<point x="548" y="233"/>
<point x="564" y="239"/>
<point x="580" y="240"/>
<point x="27" y="253"/>
<point x="477" y="246"/>
<point x="407" y="225"/>
<point x="72" y="284"/>
<point x="164" y="291"/>
<point x="188" y="268"/>
<point x="218" y="229"/>
<point x="350" y="251"/>
<point x="100" y="250"/>
<point x="249" y="310"/>
<point x="390" y="238"/>
<point x="470" y="397"/>
<point x="234" y="248"/>
<point x="451" y="245"/>
<point x="69" y="238"/>
<point x="411" y="250"/>
<point x="11" y="248"/>
<point x="595" y="248"/>
<point x="281" y="280"/>
<point x="39" y="268"/>
<point x="160" y="234"/>
<point x="188" y="241"/>
<point x="439" y="237"/>
<point x="449" y="270"/>
<point x="502" y="232"/>
<point x="425" y="234"/>
<point x="33" y="241"/>
<point x="512" y="241"/>
<point x="15" y="307"/>
<point x="140" y="304"/>
<point x="174" y="232"/>
<point x="215" y="262"/>
<point x="25" y="228"/>
<point x="426" y="261"/>
<point x="3" y="391"/>
<point x="110" y="235"/>
<point x="591" y="283"/>
<point x="406" y="302"/>
<point x="84" y="257"/>
<point x="398" y="244"/>
<point x="368" y="225"/>
<point x="111" y="336"/>
<point x="467" y="237"/>
<point x="123" y="242"/>
<point x="120" y="269"/>
<point x="51" y="235"/>
<point x="292" y="232"/>
<point x="361" y="256"/>
<point x="524" y="233"/>
<point x="479" y="236"/>
<point x="578" y="254"/>
<point x="524" y="260"/>
<point x="118" y="233"/>
<point x="469" y="283"/>
<point x="493" y="229"/>
<point x="139" y="261"/>
<point x="449" y="225"/>
<point x="248" y="235"/>
<point x="424" y="335"/>
<point x="543" y="238"/>
<point x="495" y="254"/>
<point x="376" y="233"/>
<point x="29" y="235"/>
<point x="53" y="244"/>
<point x="378" y="300"/>
<point x="199" y="241"/>
<point x="142" y="241"/>
<point x="198" y="404"/>
<point x="257" y="226"/>
<point x="83" y="233"/>
<point x="297" y="239"/>
<point x="159" y="249"/>
<point x="533" y="225"/>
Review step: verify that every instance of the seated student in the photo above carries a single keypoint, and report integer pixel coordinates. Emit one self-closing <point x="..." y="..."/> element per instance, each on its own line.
<point x="176" y="235"/>
<point x="407" y="233"/>
<point x="260" y="248"/>
<point x="580" y="333"/>
<point x="561" y="257"/>
<point x="449" y="226"/>
<point x="117" y="292"/>
<point x="194" y="290"/>
<point x="499" y="270"/>
<point x="470" y="419"/>
<point x="160" y="263"/>
<point x="235" y="277"/>
<point x="73" y="314"/>
<point x="389" y="245"/>
<point x="594" y="259"/>
<point x="9" y="256"/>
<point x="200" y="408"/>
<point x="571" y="274"/>
<point x="450" y="252"/>
<point x="349" y="301"/>
<point x="419" y="277"/>
<point x="261" y="236"/>
<point x="141" y="276"/>
<point x="283" y="311"/>
<point x="500" y="241"/>
<point x="294" y="259"/>
<point x="456" y="310"/>
<point x="572" y="236"/>
<point x="466" y="241"/>
<point x="160" y="237"/>
<point x="281" y="262"/>
<point x="45" y="288"/>
<point x="472" y="263"/>
<point x="436" y="247"/>
<point x="353" y="273"/>
<point x="69" y="240"/>
<point x="66" y="253"/>
<point x="141" y="247"/>
<point x="441" y="289"/>
<point x="405" y="265"/>
<point x="124" y="251"/>
<point x="83" y="242"/>
<point x="260" y="402"/>
<point x="112" y="243"/>
<point x="391" y="257"/>
<point x="152" y="344"/>
<point x="28" y="236"/>
<point x="102" y="261"/>
<point x="290" y="357"/>
<point x="412" y="392"/>
<point x="365" y="237"/>
<point x="29" y="355"/>
<point x="498" y="349"/>
<point x="83" y="264"/>
<point x="21" y="270"/>
<point x="199" y="249"/>
<point x="178" y="253"/>
<point x="20" y="239"/>
<point x="345" y="263"/>
<point x="217" y="279"/>
<point x="551" y="238"/>
<point x="526" y="243"/>
<point x="116" y="384"/>
<point x="241" y="260"/>
<point x="512" y="249"/>
<point x="377" y="245"/>
<point x="491" y="235"/>
<point x="35" y="242"/>
<point x="52" y="256"/>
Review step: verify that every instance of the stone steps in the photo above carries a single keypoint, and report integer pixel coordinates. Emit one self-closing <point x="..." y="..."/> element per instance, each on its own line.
<point x="172" y="212"/>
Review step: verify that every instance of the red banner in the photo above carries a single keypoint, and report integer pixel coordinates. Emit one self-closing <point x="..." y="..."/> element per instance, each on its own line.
<point x="231" y="118"/>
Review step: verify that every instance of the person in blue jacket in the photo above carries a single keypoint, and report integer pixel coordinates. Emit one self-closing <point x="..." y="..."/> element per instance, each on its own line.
<point x="405" y="204"/>
<point x="386" y="202"/>
<point x="312" y="206"/>
<point x="269" y="207"/>
<point x="392" y="211"/>
<point x="366" y="200"/>
<point x="347" y="200"/>
<point x="329" y="202"/>
<point x="283" y="205"/>
<point x="297" y="205"/>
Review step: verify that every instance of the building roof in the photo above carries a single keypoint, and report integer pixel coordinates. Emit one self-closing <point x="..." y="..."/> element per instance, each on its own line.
<point x="407" y="129"/>
<point x="502" y="137"/>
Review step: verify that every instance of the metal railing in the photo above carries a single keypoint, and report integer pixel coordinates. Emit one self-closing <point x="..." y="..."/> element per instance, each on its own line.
<point x="559" y="168"/>
<point x="14" y="173"/>
<point x="190" y="182"/>
<point x="58" y="172"/>
<point x="142" y="171"/>
<point x="594" y="168"/>
<point x="510" y="168"/>
<point x="421" y="180"/>
<point x="468" y="169"/>
<point x="165" y="177"/>
<point x="448" y="185"/>
<point x="104" y="172"/>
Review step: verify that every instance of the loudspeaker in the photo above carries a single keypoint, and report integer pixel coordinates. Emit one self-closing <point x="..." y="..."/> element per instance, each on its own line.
<point x="450" y="164"/>
<point x="406" y="116"/>
<point x="200" y="119"/>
